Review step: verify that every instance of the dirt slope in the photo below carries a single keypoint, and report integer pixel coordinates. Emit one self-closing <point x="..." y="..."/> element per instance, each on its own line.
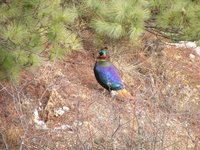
<point x="76" y="113"/>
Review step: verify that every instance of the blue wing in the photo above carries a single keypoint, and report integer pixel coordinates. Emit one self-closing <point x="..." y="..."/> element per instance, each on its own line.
<point x="108" y="77"/>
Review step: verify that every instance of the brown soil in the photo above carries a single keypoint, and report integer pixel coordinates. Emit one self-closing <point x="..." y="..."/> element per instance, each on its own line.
<point x="165" y="114"/>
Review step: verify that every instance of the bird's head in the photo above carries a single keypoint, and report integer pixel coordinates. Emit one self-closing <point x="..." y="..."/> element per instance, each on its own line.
<point x="103" y="53"/>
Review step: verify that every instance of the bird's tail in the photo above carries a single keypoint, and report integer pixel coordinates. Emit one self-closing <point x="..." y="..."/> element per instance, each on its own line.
<point x="125" y="94"/>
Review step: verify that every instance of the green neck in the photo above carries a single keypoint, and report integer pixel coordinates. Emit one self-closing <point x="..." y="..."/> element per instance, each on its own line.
<point x="103" y="62"/>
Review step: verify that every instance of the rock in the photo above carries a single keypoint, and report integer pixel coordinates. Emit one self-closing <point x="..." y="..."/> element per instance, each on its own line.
<point x="192" y="57"/>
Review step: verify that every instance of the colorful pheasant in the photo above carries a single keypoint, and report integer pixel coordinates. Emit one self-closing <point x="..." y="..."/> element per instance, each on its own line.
<point x="107" y="75"/>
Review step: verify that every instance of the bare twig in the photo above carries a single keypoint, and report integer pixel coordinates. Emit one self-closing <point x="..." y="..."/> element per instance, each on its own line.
<point x="4" y="140"/>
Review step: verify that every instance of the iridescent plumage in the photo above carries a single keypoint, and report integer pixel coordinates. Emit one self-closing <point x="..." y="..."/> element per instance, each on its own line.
<point x="107" y="74"/>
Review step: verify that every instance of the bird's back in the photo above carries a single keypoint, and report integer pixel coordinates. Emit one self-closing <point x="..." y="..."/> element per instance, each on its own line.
<point x="107" y="75"/>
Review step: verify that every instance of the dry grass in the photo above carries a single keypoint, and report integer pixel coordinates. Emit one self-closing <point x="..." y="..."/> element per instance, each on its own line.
<point x="165" y="115"/>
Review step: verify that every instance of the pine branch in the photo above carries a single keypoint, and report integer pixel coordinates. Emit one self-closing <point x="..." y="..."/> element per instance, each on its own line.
<point x="159" y="31"/>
